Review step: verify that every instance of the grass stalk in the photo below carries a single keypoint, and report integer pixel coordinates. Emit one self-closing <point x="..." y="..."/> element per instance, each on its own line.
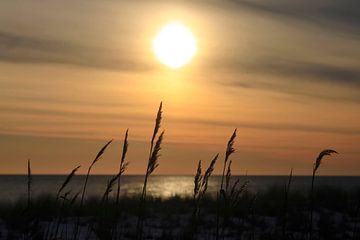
<point x="109" y="188"/>
<point x="286" y="204"/>
<point x="62" y="187"/>
<point x="100" y="153"/>
<point x="123" y="165"/>
<point x="200" y="187"/>
<point x="67" y="181"/>
<point x="96" y="159"/>
<point x="29" y="183"/>
<point x="316" y="166"/>
<point x="221" y="196"/>
<point x="229" y="150"/>
<point x="154" y="154"/>
<point x="64" y="197"/>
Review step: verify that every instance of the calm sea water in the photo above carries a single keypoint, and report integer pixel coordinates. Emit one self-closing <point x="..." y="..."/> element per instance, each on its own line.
<point x="13" y="187"/>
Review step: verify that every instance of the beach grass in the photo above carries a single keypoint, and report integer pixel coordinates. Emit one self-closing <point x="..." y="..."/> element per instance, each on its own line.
<point x="235" y="212"/>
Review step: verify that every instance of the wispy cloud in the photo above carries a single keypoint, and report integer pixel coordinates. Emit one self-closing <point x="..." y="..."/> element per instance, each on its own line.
<point x="38" y="111"/>
<point x="293" y="90"/>
<point x="56" y="101"/>
<point x="18" y="48"/>
<point x="341" y="16"/>
<point x="272" y="126"/>
<point x="308" y="71"/>
<point x="290" y="76"/>
<point x="79" y="118"/>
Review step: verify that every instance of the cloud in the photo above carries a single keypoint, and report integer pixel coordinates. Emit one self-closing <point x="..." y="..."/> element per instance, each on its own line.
<point x="66" y="101"/>
<point x="272" y="126"/>
<point x="290" y="76"/>
<point x="338" y="15"/>
<point x="71" y="113"/>
<point x="25" y="49"/>
<point x="294" y="90"/>
<point x="349" y="76"/>
<point x="308" y="71"/>
<point x="108" y="118"/>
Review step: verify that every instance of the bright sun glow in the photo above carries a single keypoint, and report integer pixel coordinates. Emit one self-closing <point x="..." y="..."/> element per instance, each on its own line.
<point x="174" y="45"/>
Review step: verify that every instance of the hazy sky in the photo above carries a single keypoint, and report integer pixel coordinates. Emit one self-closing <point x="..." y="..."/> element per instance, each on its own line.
<point x="74" y="74"/>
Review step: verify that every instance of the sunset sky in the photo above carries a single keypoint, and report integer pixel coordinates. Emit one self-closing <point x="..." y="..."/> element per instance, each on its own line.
<point x="75" y="74"/>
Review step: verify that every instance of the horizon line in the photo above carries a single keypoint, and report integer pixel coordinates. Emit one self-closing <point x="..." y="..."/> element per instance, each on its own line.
<point x="174" y="175"/>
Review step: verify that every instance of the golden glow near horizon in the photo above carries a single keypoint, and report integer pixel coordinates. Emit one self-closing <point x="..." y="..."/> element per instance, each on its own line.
<point x="175" y="45"/>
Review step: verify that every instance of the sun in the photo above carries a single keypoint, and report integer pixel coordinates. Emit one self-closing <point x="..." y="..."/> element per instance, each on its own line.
<point x="175" y="45"/>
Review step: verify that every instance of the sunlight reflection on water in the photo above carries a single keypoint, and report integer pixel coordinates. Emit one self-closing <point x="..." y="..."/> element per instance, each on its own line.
<point x="14" y="186"/>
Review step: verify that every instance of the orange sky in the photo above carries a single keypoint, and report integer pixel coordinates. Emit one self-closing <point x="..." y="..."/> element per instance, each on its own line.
<point x="74" y="76"/>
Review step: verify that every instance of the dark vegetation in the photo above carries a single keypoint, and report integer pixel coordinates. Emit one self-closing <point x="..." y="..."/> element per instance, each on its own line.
<point x="279" y="212"/>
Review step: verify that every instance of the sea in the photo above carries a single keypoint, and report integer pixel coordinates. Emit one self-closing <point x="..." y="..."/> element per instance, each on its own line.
<point x="14" y="187"/>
